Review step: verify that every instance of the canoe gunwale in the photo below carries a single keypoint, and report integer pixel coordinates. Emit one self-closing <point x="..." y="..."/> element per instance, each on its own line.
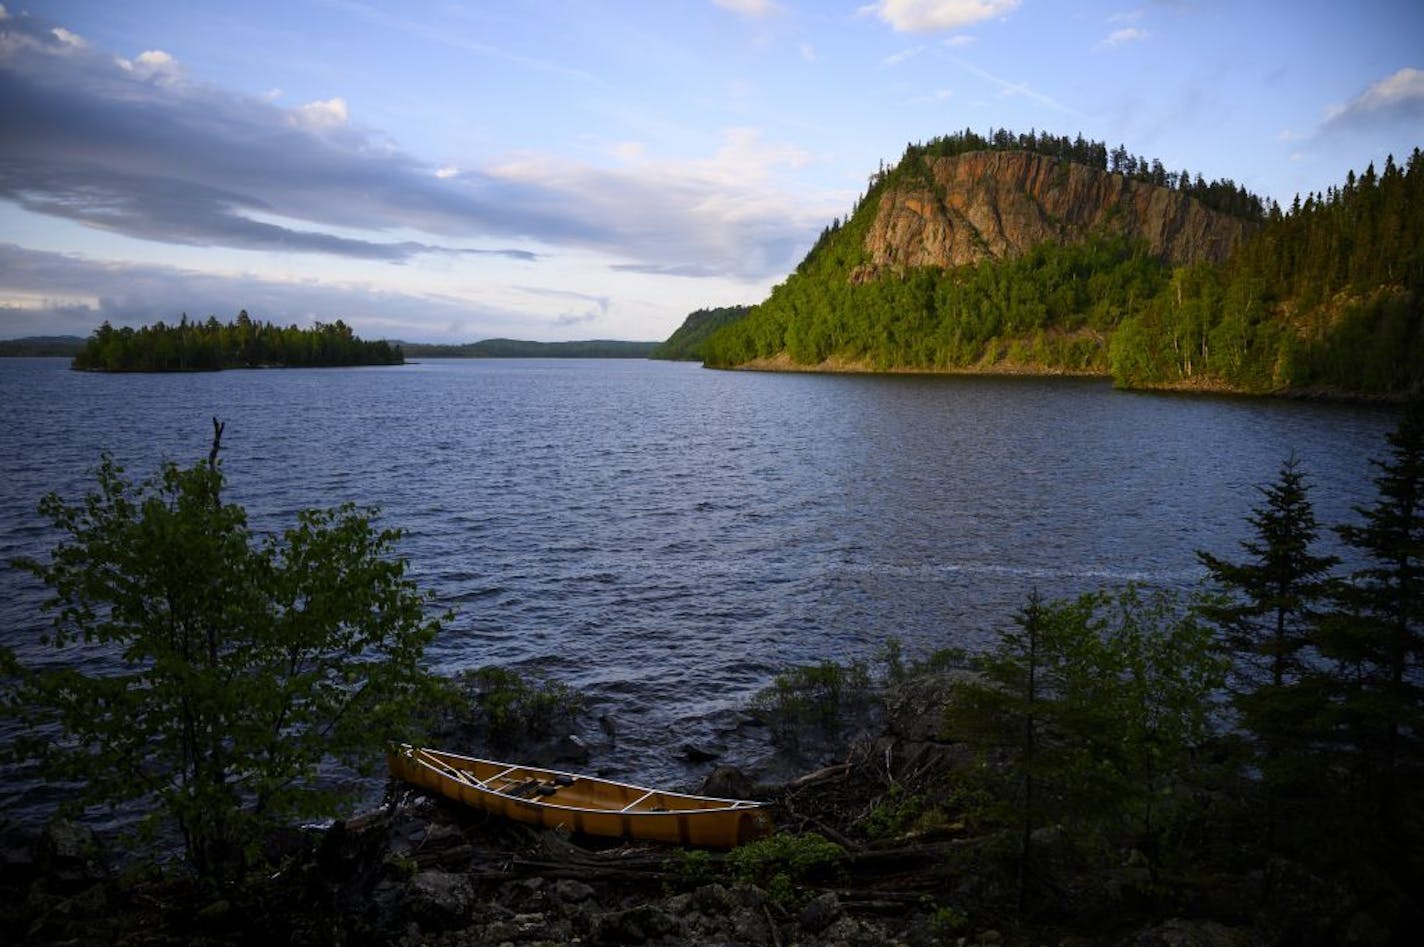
<point x="423" y="757"/>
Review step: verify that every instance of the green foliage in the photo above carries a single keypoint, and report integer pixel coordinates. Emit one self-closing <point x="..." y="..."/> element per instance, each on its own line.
<point x="784" y="858"/>
<point x="516" y="708"/>
<point x="812" y="695"/>
<point x="1093" y="703"/>
<point x="687" y="341"/>
<point x="901" y="811"/>
<point x="206" y="672"/>
<point x="244" y="343"/>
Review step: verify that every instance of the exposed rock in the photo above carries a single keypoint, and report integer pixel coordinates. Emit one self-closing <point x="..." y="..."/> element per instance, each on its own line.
<point x="820" y="912"/>
<point x="999" y="204"/>
<point x="728" y="782"/>
<point x="635" y="925"/>
<point x="68" y="853"/>
<point x="440" y="899"/>
<point x="1179" y="932"/>
<point x="695" y="753"/>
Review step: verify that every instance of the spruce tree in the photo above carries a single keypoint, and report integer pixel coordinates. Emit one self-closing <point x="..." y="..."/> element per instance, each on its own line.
<point x="1267" y="610"/>
<point x="1377" y="638"/>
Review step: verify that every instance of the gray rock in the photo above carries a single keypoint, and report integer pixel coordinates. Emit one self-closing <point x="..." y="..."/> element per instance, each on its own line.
<point x="569" y="891"/>
<point x="728" y="782"/>
<point x="1181" y="932"/>
<point x="821" y="912"/>
<point x="439" y="899"/>
<point x="635" y="925"/>
<point x="68" y="853"/>
<point x="695" y="753"/>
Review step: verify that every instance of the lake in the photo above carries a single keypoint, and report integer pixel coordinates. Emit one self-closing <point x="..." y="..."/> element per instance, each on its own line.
<point x="666" y="538"/>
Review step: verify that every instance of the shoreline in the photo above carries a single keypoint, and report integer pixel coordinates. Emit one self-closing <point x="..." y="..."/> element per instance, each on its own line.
<point x="782" y="364"/>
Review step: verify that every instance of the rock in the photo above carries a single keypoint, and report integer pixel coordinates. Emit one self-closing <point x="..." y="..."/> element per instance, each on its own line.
<point x="68" y="854"/>
<point x="698" y="754"/>
<point x="728" y="782"/>
<point x="570" y="749"/>
<point x="999" y="204"/>
<point x="820" y="913"/>
<point x="569" y="891"/>
<point x="635" y="925"/>
<point x="1180" y="932"/>
<point x="439" y="899"/>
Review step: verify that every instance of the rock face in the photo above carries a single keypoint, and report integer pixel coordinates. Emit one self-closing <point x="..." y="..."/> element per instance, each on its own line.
<point x="999" y="204"/>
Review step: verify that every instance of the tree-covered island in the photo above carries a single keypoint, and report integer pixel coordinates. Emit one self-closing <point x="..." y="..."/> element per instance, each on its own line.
<point x="243" y="343"/>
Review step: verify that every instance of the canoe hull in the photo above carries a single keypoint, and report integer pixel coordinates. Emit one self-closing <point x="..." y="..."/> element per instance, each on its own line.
<point x="584" y="804"/>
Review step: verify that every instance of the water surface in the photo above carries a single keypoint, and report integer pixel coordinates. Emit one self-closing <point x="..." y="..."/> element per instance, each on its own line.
<point x="665" y="537"/>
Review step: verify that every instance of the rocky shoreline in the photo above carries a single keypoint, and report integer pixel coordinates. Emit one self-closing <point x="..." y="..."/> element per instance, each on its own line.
<point x="883" y="846"/>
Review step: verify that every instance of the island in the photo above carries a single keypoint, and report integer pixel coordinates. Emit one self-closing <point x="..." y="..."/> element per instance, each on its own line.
<point x="244" y="343"/>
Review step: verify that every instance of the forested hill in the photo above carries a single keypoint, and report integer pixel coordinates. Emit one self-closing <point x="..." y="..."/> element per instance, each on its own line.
<point x="1034" y="253"/>
<point x="686" y="343"/>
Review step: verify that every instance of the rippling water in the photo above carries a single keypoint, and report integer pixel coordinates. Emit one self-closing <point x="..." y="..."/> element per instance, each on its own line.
<point x="665" y="537"/>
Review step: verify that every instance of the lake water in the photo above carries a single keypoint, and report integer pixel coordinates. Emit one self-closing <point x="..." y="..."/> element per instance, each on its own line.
<point x="666" y="538"/>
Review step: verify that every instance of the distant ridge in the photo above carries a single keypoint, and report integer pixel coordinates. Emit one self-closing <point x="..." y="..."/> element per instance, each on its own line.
<point x="515" y="348"/>
<point x="41" y="346"/>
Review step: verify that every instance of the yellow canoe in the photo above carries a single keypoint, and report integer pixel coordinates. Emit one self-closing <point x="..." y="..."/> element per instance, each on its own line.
<point x="586" y="804"/>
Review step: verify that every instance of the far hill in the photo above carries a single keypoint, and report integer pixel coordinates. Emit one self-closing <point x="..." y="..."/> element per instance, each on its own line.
<point x="685" y="344"/>
<point x="515" y="348"/>
<point x="41" y="346"/>
<point x="1040" y="254"/>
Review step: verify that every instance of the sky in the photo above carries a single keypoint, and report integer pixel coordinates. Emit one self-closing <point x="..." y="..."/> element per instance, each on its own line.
<point x="453" y="171"/>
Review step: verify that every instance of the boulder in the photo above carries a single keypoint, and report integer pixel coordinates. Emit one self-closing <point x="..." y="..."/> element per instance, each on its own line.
<point x="439" y="900"/>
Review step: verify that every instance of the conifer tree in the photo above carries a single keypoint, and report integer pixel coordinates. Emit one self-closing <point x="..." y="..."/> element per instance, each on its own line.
<point x="1377" y="638"/>
<point x="1266" y="611"/>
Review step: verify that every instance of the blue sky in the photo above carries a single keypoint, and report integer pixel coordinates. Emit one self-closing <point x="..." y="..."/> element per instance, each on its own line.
<point x="442" y="171"/>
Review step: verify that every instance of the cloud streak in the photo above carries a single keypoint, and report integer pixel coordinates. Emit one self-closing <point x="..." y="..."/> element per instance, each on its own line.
<point x="40" y="299"/>
<point x="137" y="148"/>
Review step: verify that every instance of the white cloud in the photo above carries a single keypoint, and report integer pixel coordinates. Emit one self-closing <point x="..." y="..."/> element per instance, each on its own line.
<point x="960" y="40"/>
<point x="931" y="16"/>
<point x="68" y="39"/>
<point x="1128" y="34"/>
<point x="1396" y="97"/>
<point x="747" y="7"/>
<point x="152" y="64"/>
<point x="4" y="14"/>
<point x="329" y="113"/>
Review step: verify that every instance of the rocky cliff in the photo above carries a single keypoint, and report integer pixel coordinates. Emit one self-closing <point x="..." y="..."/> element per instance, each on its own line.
<point x="998" y="204"/>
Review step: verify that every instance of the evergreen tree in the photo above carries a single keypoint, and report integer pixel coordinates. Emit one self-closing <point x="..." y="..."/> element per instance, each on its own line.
<point x="1377" y="638"/>
<point x="1267" y="612"/>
